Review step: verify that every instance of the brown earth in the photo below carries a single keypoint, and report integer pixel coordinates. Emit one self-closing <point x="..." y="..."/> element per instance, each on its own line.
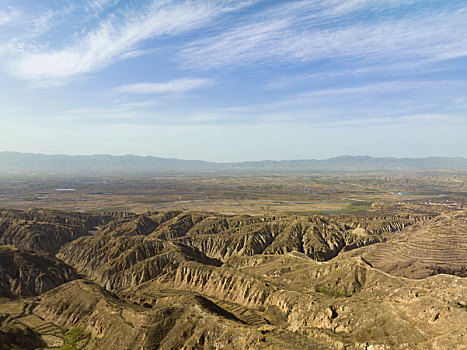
<point x="196" y="280"/>
<point x="28" y="273"/>
<point x="437" y="246"/>
<point x="45" y="230"/>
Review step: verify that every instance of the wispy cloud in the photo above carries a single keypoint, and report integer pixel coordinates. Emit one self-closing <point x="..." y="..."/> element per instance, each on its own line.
<point x="341" y="7"/>
<point x="297" y="35"/>
<point x="177" y="85"/>
<point x="99" y="5"/>
<point x="116" y="37"/>
<point x="399" y="121"/>
<point x="136" y="113"/>
<point x="356" y="74"/>
<point x="383" y="87"/>
<point x="22" y="27"/>
<point x="121" y="112"/>
<point x="9" y="15"/>
<point x="380" y="102"/>
<point x="48" y="19"/>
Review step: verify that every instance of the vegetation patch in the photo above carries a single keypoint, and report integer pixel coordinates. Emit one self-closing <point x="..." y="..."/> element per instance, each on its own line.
<point x="302" y="213"/>
<point x="354" y="207"/>
<point x="72" y="337"/>
<point x="329" y="291"/>
<point x="108" y="209"/>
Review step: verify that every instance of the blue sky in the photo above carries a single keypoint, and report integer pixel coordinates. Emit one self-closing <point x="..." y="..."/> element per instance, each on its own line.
<point x="234" y="80"/>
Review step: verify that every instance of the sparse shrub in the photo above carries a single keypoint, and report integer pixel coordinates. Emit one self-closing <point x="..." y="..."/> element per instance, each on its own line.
<point x="72" y="336"/>
<point x="356" y="206"/>
<point x="331" y="292"/>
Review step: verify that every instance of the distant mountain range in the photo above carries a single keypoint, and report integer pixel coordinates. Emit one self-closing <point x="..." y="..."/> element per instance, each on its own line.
<point x="15" y="162"/>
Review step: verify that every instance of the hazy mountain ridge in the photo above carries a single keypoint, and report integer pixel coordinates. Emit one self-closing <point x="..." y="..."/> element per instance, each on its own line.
<point x="65" y="164"/>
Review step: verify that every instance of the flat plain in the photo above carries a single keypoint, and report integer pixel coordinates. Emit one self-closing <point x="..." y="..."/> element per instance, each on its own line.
<point x="232" y="194"/>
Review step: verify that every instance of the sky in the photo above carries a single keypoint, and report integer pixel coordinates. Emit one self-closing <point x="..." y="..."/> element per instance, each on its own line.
<point x="225" y="80"/>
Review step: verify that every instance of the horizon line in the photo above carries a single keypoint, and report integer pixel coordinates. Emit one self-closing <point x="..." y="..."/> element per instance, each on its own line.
<point x="228" y="162"/>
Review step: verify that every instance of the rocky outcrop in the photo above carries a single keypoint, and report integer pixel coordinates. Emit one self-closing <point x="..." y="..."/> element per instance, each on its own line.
<point x="27" y="273"/>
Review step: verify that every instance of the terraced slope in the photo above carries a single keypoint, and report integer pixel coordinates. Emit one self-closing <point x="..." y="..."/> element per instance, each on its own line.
<point x="437" y="246"/>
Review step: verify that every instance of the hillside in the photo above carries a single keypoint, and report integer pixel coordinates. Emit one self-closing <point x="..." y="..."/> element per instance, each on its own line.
<point x="199" y="280"/>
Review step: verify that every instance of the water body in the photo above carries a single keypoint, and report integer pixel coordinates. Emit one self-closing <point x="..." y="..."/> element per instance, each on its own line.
<point x="194" y="200"/>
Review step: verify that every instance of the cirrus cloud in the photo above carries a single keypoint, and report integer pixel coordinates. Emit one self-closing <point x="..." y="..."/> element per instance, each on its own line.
<point x="176" y="85"/>
<point x="116" y="38"/>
